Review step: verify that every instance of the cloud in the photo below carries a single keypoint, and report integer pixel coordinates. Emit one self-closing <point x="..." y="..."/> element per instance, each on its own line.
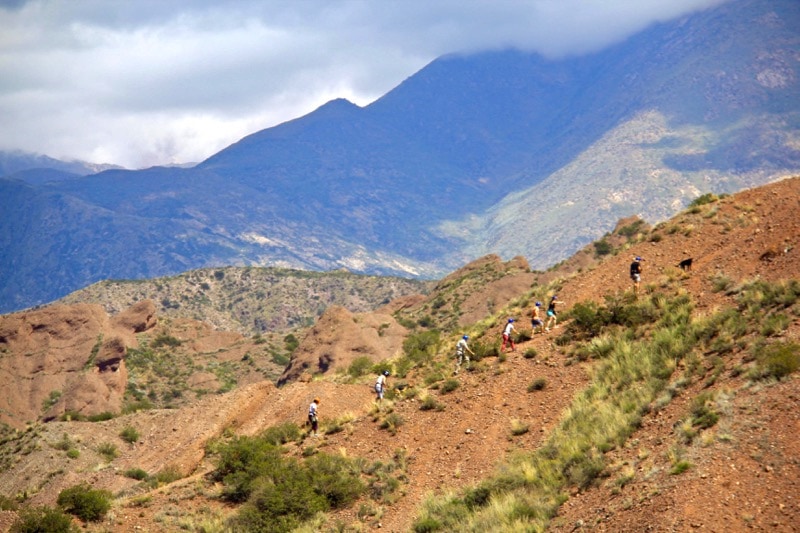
<point x="153" y="82"/>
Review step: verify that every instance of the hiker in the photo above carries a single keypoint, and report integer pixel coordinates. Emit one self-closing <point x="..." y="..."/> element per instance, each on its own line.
<point x="507" y="335"/>
<point x="312" y="416"/>
<point x="536" y="318"/>
<point x="462" y="349"/>
<point x="380" y="385"/>
<point x="636" y="273"/>
<point x="552" y="317"/>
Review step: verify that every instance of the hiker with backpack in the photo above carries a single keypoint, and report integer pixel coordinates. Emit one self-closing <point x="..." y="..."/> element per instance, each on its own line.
<point x="507" y="331"/>
<point x="462" y="349"/>
<point x="636" y="273"/>
<point x="380" y="384"/>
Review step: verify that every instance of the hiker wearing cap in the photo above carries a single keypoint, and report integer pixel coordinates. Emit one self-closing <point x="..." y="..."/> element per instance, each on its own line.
<point x="312" y="416"/>
<point x="636" y="273"/>
<point x="462" y="349"/>
<point x="507" y="335"/>
<point x="552" y="317"/>
<point x="380" y="384"/>
<point x="536" y="318"/>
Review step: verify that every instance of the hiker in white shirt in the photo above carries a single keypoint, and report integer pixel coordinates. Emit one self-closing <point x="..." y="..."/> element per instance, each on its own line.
<point x="462" y="349"/>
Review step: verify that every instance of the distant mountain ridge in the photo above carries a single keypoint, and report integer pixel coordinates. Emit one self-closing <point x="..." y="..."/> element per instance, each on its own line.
<point x="499" y="152"/>
<point x="39" y="169"/>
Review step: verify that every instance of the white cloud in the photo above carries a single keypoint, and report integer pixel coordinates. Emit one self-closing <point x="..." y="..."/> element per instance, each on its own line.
<point x="153" y="82"/>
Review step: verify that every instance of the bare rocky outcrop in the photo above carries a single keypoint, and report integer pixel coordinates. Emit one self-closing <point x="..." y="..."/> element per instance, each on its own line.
<point x="339" y="337"/>
<point x="66" y="358"/>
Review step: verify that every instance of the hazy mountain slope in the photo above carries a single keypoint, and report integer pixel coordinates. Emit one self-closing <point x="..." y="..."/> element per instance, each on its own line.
<point x="620" y="175"/>
<point x="413" y="184"/>
<point x="702" y="110"/>
<point x="15" y="161"/>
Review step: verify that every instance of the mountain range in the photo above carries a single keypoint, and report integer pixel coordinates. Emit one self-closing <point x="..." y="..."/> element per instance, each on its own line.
<point x="501" y="152"/>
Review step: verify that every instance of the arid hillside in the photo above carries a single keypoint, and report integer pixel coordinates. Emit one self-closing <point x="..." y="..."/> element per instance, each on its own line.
<point x="712" y="448"/>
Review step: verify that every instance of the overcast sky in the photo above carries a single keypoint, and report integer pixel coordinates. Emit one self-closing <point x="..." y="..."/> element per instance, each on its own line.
<point x="147" y="82"/>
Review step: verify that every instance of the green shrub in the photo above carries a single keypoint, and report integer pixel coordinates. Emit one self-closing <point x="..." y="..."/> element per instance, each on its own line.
<point x="360" y="366"/>
<point x="704" y="199"/>
<point x="631" y="229"/>
<point x="775" y="324"/>
<point x="602" y="247"/>
<point x="379" y="368"/>
<point x="51" y="400"/>
<point x="73" y="453"/>
<point x="426" y="321"/>
<point x="530" y="353"/>
<point x="433" y="377"/>
<point x="70" y="416"/>
<point x="7" y="504"/>
<point x="282" y="433"/>
<point x="100" y="417"/>
<point x="721" y="283"/>
<point x="518" y="427"/>
<point x="290" y="343"/>
<point x="523" y="335"/>
<point x="538" y="384"/>
<point x="336" y="478"/>
<point x="129" y="434"/>
<point x="136" y="406"/>
<point x="136" y="473"/>
<point x="64" y="444"/>
<point x="449" y="385"/>
<point x="680" y="467"/>
<point x="241" y="462"/>
<point x="485" y="349"/>
<point x="166" y="340"/>
<point x="108" y="450"/>
<point x="281" y="492"/>
<point x="391" y="422"/>
<point x="421" y="347"/>
<point x="778" y="360"/>
<point x="43" y="520"/>
<point x="167" y="475"/>
<point x="589" y="319"/>
<point x="280" y="507"/>
<point x="703" y="414"/>
<point x="88" y="504"/>
<point x="430" y="403"/>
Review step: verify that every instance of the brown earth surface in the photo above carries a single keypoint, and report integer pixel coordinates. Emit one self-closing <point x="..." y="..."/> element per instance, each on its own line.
<point x="744" y="473"/>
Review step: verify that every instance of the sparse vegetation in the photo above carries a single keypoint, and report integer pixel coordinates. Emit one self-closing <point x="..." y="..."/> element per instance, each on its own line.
<point x="430" y="403"/>
<point x="704" y="199"/>
<point x="518" y="427"/>
<point x="129" y="434"/>
<point x="43" y="519"/>
<point x="108" y="450"/>
<point x="360" y="366"/>
<point x="136" y="473"/>
<point x="90" y="505"/>
<point x="777" y="360"/>
<point x="449" y="385"/>
<point x="279" y="492"/>
<point x="537" y="385"/>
